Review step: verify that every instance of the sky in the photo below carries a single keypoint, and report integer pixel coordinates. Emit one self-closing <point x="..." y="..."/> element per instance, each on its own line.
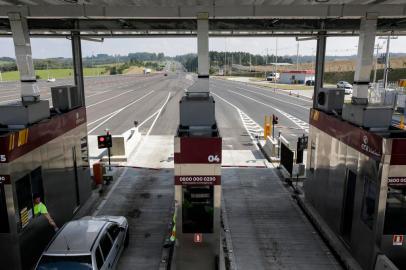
<point x="60" y="47"/>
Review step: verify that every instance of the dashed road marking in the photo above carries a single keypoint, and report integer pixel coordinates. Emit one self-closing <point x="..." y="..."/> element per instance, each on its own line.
<point x="300" y="123"/>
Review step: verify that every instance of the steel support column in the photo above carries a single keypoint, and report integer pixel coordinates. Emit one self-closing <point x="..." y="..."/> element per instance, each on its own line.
<point x="203" y="51"/>
<point x="320" y="59"/>
<point x="77" y="64"/>
<point x="364" y="64"/>
<point x="22" y="46"/>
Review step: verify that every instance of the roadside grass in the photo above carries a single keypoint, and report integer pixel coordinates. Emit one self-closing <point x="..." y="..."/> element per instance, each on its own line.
<point x="54" y="73"/>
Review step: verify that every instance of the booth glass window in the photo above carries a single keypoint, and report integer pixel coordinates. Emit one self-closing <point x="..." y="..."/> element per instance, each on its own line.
<point x="197" y="209"/>
<point x="24" y="200"/>
<point x="368" y="202"/>
<point x="395" y="214"/>
<point x="312" y="156"/>
<point x="37" y="186"/>
<point x="4" y="227"/>
<point x="26" y="187"/>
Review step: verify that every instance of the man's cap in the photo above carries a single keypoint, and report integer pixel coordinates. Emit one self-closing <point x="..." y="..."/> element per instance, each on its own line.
<point x="36" y="195"/>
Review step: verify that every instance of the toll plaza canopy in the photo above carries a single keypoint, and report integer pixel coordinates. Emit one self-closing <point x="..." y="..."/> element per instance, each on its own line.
<point x="227" y="17"/>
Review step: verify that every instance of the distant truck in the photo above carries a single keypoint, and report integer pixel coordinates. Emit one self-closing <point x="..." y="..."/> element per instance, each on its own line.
<point x="147" y="70"/>
<point x="273" y="76"/>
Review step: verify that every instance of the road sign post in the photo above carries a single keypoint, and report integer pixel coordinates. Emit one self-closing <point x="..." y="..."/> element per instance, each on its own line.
<point x="105" y="141"/>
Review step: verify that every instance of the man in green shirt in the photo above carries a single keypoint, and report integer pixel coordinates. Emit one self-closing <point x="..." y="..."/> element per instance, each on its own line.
<point x="41" y="209"/>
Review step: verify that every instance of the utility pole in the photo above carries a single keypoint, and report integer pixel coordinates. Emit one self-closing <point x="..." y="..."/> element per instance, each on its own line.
<point x="266" y="60"/>
<point x="250" y="61"/>
<point x="387" y="60"/>
<point x="225" y="55"/>
<point x="297" y="56"/>
<point x="385" y="75"/>
<point x="231" y="68"/>
<point x="377" y="47"/>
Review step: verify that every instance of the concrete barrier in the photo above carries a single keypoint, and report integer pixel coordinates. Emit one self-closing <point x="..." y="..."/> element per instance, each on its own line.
<point x="122" y="147"/>
<point x="384" y="263"/>
<point x="270" y="148"/>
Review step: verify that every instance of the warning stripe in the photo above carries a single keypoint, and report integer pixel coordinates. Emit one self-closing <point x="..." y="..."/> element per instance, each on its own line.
<point x="22" y="137"/>
<point x="11" y="142"/>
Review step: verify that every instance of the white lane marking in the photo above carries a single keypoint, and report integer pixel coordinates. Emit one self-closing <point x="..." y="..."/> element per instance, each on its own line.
<point x="263" y="88"/>
<point x="113" y="188"/>
<point x="146" y="120"/>
<point x="118" y="111"/>
<point x="158" y="114"/>
<point x="245" y="119"/>
<point x="99" y="119"/>
<point x="143" y="139"/>
<point x="301" y="124"/>
<point x="281" y="100"/>
<point x="113" y="97"/>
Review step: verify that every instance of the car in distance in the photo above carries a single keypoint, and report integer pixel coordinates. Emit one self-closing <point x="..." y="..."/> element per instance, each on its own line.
<point x="346" y="86"/>
<point x="310" y="82"/>
<point x="90" y="243"/>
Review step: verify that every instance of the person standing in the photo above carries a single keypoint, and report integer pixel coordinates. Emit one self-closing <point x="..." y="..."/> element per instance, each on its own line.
<point x="41" y="209"/>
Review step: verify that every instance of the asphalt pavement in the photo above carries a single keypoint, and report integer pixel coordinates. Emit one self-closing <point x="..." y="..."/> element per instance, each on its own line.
<point x="267" y="229"/>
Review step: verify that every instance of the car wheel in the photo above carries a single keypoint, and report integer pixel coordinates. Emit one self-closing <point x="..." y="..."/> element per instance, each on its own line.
<point x="127" y="238"/>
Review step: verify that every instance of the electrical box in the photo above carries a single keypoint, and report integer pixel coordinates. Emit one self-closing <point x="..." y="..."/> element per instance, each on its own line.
<point x="197" y="109"/>
<point x="23" y="114"/>
<point x="330" y="99"/>
<point x="65" y="97"/>
<point x="368" y="116"/>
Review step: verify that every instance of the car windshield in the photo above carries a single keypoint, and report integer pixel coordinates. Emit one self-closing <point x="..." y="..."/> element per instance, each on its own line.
<point x="65" y="263"/>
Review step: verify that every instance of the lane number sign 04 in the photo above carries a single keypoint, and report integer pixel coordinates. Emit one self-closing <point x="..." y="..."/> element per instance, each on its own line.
<point x="213" y="158"/>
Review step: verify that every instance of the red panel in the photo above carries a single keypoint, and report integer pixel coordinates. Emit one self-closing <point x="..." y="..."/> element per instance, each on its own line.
<point x="41" y="133"/>
<point x="398" y="152"/>
<point x="5" y="179"/>
<point x="362" y="140"/>
<point x="396" y="181"/>
<point x="198" y="180"/>
<point x="199" y="150"/>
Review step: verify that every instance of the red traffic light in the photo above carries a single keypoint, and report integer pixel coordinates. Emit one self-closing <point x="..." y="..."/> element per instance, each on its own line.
<point x="104" y="141"/>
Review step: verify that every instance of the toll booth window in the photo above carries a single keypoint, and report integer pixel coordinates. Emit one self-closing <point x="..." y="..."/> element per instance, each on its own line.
<point x="37" y="186"/>
<point x="4" y="227"/>
<point x="25" y="188"/>
<point x="368" y="202"/>
<point x="312" y="156"/>
<point x="24" y="200"/>
<point x="197" y="209"/>
<point x="395" y="214"/>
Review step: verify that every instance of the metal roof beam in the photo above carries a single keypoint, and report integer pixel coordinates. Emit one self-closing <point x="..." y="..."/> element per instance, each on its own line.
<point x="226" y="11"/>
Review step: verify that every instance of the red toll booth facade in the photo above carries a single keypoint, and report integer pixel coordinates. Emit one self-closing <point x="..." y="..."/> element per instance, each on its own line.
<point x="198" y="201"/>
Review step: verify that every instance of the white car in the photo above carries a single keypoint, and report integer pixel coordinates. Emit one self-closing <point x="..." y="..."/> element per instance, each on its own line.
<point x="346" y="86"/>
<point x="90" y="243"/>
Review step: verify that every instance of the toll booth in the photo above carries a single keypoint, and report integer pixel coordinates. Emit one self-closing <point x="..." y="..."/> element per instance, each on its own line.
<point x="357" y="183"/>
<point x="48" y="157"/>
<point x="197" y="157"/>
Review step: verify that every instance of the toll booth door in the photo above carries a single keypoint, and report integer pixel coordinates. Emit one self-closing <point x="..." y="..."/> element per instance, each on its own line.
<point x="197" y="209"/>
<point x="4" y="226"/>
<point x="348" y="205"/>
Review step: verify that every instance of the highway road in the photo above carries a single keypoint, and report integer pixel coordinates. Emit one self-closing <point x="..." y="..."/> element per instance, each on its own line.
<point x="259" y="225"/>
<point x="115" y="102"/>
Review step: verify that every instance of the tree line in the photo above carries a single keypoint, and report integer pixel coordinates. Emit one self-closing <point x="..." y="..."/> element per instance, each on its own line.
<point x="221" y="59"/>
